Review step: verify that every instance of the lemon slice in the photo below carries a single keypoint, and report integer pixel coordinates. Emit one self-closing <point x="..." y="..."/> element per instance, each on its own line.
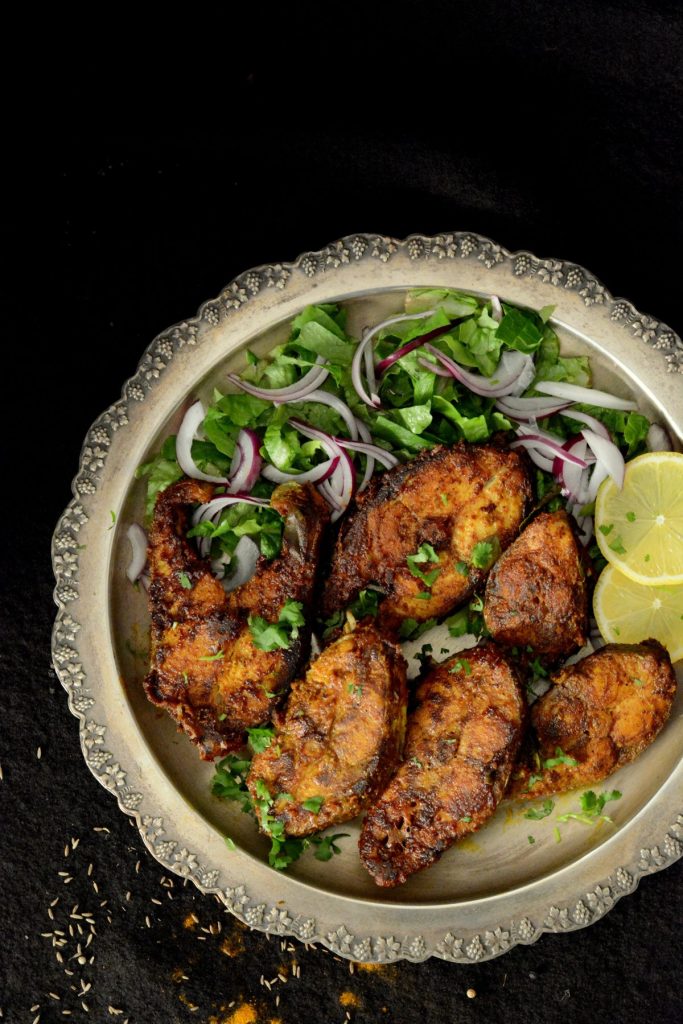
<point x="640" y="528"/>
<point x="628" y="612"/>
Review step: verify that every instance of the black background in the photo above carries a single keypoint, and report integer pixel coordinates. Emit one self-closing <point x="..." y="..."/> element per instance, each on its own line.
<point x="551" y="127"/>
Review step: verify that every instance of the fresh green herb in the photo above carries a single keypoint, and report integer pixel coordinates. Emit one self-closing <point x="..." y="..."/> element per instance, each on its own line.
<point x="647" y="558"/>
<point x="560" y="759"/>
<point x="530" y="840"/>
<point x="185" y="581"/>
<point x="411" y="629"/>
<point x="537" y="668"/>
<point x="617" y="545"/>
<point x="462" y="568"/>
<point x="355" y="690"/>
<point x="260" y="739"/>
<point x="462" y="664"/>
<point x="606" y="528"/>
<point x="637" y="682"/>
<point x="444" y="499"/>
<point x="536" y="814"/>
<point x="229" y="843"/>
<point x="229" y="780"/>
<point x="592" y="807"/>
<point x="269" y="636"/>
<point x="326" y="845"/>
<point x="617" y="631"/>
<point x="186" y="678"/>
<point x="631" y="516"/>
<point x="218" y="656"/>
<point x="533" y="779"/>
<point x="313" y="804"/>
<point x="423" y="595"/>
<point x="485" y="553"/>
<point x="415" y="761"/>
<point x="269" y="693"/>
<point x="467" y="818"/>
<point x="222" y="716"/>
<point x="113" y="518"/>
<point x="425" y="553"/>
<point x="557" y="834"/>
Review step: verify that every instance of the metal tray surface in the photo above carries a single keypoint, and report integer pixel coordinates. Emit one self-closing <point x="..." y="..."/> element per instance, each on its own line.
<point x="491" y="891"/>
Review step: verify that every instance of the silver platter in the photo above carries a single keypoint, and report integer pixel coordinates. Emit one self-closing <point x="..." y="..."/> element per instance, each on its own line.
<point x="490" y="892"/>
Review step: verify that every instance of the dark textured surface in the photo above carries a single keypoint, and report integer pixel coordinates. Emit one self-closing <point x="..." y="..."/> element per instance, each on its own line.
<point x="578" y="155"/>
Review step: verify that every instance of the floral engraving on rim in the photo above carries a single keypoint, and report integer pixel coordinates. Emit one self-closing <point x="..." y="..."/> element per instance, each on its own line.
<point x="65" y="555"/>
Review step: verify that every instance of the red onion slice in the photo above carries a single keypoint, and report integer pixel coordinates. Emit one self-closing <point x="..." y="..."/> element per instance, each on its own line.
<point x="374" y="451"/>
<point x="330" y="496"/>
<point x="138" y="542"/>
<point x="309" y="382"/>
<point x="513" y="369"/>
<point x="410" y="346"/>
<point x="570" y="476"/>
<point x="326" y="398"/>
<point x="598" y="474"/>
<point x="246" y="556"/>
<point x="315" y="475"/>
<point x="343" y="480"/>
<point x="210" y="508"/>
<point x="527" y="409"/>
<point x="542" y="461"/>
<point x="590" y="421"/>
<point x="365" y="436"/>
<point x="608" y="454"/>
<point x="192" y="420"/>
<point x="574" y="393"/>
<point x="246" y="463"/>
<point x="359" y="356"/>
<point x="547" y="448"/>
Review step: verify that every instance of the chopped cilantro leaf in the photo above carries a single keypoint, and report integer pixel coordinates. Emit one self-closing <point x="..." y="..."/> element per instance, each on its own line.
<point x="260" y="739"/>
<point x="606" y="528"/>
<point x="560" y="759"/>
<point x="631" y="516"/>
<point x="557" y="834"/>
<point x="462" y="568"/>
<point x="416" y="761"/>
<point x="425" y="553"/>
<point x="313" y="804"/>
<point x="536" y="813"/>
<point x="462" y="665"/>
<point x="326" y="845"/>
<point x="485" y="553"/>
<point x="592" y="807"/>
<point x="218" y="656"/>
<point x="269" y="636"/>
<point x="467" y="818"/>
<point x="411" y="629"/>
<point x="530" y="840"/>
<point x="355" y="690"/>
<point x="229" y="843"/>
<point x="637" y="682"/>
<point x="185" y="581"/>
<point x="617" y="545"/>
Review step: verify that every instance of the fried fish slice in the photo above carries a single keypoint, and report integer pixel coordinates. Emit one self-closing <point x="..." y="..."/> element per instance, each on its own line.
<point x="461" y="744"/>
<point x="601" y="713"/>
<point x="536" y="593"/>
<point x="341" y="736"/>
<point x="205" y="668"/>
<point x="451" y="498"/>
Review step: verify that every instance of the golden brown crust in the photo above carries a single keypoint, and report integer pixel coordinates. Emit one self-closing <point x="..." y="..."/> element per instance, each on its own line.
<point x="205" y="669"/>
<point x="449" y="497"/>
<point x="341" y="736"/>
<point x="536" y="593"/>
<point x="602" y="711"/>
<point x="461" y="744"/>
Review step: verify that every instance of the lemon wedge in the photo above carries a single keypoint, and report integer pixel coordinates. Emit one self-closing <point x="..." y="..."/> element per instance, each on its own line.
<point x="639" y="528"/>
<point x="628" y="612"/>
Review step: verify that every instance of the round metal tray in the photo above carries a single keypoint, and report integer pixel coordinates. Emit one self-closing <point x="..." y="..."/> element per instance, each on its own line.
<point x="489" y="892"/>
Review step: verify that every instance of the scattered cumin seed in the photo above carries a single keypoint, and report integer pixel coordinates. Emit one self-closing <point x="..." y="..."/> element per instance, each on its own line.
<point x="39" y="753"/>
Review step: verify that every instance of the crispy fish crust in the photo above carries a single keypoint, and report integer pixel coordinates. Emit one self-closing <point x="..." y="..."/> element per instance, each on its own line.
<point x="449" y="497"/>
<point x="341" y="736"/>
<point x="536" y="593"/>
<point x="461" y="744"/>
<point x="205" y="669"/>
<point x="602" y="711"/>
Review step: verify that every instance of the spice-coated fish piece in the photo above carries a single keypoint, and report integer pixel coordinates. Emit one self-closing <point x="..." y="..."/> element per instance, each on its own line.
<point x="341" y="736"/>
<point x="205" y="667"/>
<point x="601" y="713"/>
<point x="461" y="743"/>
<point x="449" y="498"/>
<point x="536" y="593"/>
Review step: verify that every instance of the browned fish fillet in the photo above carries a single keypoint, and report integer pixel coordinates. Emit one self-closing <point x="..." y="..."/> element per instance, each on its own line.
<point x="451" y="498"/>
<point x="536" y="593"/>
<point x="341" y="736"/>
<point x="205" y="668"/>
<point x="602" y="712"/>
<point x="461" y="744"/>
